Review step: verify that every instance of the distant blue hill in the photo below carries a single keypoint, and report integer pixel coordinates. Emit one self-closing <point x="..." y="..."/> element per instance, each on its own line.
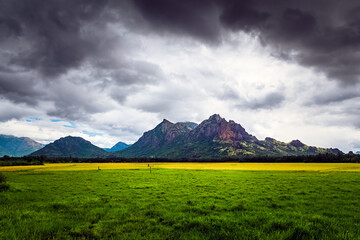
<point x="358" y="152"/>
<point x="17" y="146"/>
<point x="117" y="147"/>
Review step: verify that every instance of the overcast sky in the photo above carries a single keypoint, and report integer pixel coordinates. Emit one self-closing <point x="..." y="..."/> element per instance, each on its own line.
<point x="110" y="70"/>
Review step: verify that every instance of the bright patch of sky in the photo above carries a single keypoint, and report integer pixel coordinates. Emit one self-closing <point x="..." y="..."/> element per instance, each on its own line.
<point x="70" y="123"/>
<point x="92" y="134"/>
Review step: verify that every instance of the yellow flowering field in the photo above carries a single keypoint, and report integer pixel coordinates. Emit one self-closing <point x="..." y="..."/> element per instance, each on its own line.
<point x="204" y="166"/>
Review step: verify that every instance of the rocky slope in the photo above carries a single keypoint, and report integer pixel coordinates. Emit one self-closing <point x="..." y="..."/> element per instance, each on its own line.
<point x="212" y="138"/>
<point x="157" y="141"/>
<point x="17" y="146"/>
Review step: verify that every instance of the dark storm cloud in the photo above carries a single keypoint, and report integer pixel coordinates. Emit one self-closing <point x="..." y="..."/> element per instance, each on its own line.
<point x="323" y="34"/>
<point x="41" y="42"/>
<point x="334" y="97"/>
<point x="9" y="27"/>
<point x="20" y="88"/>
<point x="134" y="72"/>
<point x="54" y="29"/>
<point x="242" y="15"/>
<point x="52" y="36"/>
<point x="196" y="18"/>
<point x="9" y="111"/>
<point x="267" y="101"/>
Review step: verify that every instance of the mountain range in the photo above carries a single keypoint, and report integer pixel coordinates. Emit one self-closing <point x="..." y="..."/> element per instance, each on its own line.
<point x="17" y="146"/>
<point x="212" y="138"/>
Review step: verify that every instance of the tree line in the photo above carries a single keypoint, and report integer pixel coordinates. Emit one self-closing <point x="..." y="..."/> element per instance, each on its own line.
<point x="21" y="161"/>
<point x="321" y="158"/>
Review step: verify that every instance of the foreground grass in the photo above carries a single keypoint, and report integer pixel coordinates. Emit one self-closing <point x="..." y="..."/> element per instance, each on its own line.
<point x="180" y="204"/>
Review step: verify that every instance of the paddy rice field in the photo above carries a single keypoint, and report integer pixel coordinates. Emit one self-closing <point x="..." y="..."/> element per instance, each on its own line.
<point x="181" y="201"/>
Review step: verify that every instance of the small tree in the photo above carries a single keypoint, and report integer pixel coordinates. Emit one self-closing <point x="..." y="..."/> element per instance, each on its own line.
<point x="3" y="185"/>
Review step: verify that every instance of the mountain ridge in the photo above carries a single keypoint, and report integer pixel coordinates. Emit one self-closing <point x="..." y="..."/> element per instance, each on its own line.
<point x="13" y="146"/>
<point x="214" y="137"/>
<point x="70" y="146"/>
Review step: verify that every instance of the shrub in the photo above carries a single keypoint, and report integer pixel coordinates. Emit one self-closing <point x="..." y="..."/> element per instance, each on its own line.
<point x="3" y="185"/>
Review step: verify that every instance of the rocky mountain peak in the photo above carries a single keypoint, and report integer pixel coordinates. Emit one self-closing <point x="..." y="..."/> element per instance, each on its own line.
<point x="216" y="118"/>
<point x="217" y="128"/>
<point x="164" y="132"/>
<point x="175" y="131"/>
<point x="164" y="126"/>
<point x="165" y="121"/>
<point x="297" y="143"/>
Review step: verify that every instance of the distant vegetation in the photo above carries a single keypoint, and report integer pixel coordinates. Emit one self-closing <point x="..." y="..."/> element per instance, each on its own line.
<point x="21" y="161"/>
<point x="321" y="158"/>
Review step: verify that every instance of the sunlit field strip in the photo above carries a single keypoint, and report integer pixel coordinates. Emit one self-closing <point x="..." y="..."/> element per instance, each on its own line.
<point x="205" y="166"/>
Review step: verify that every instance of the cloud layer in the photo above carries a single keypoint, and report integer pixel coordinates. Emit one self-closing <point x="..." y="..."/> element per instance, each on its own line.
<point x="118" y="67"/>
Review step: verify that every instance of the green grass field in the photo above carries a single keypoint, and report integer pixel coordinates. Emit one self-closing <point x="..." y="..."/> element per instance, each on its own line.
<point x="180" y="204"/>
